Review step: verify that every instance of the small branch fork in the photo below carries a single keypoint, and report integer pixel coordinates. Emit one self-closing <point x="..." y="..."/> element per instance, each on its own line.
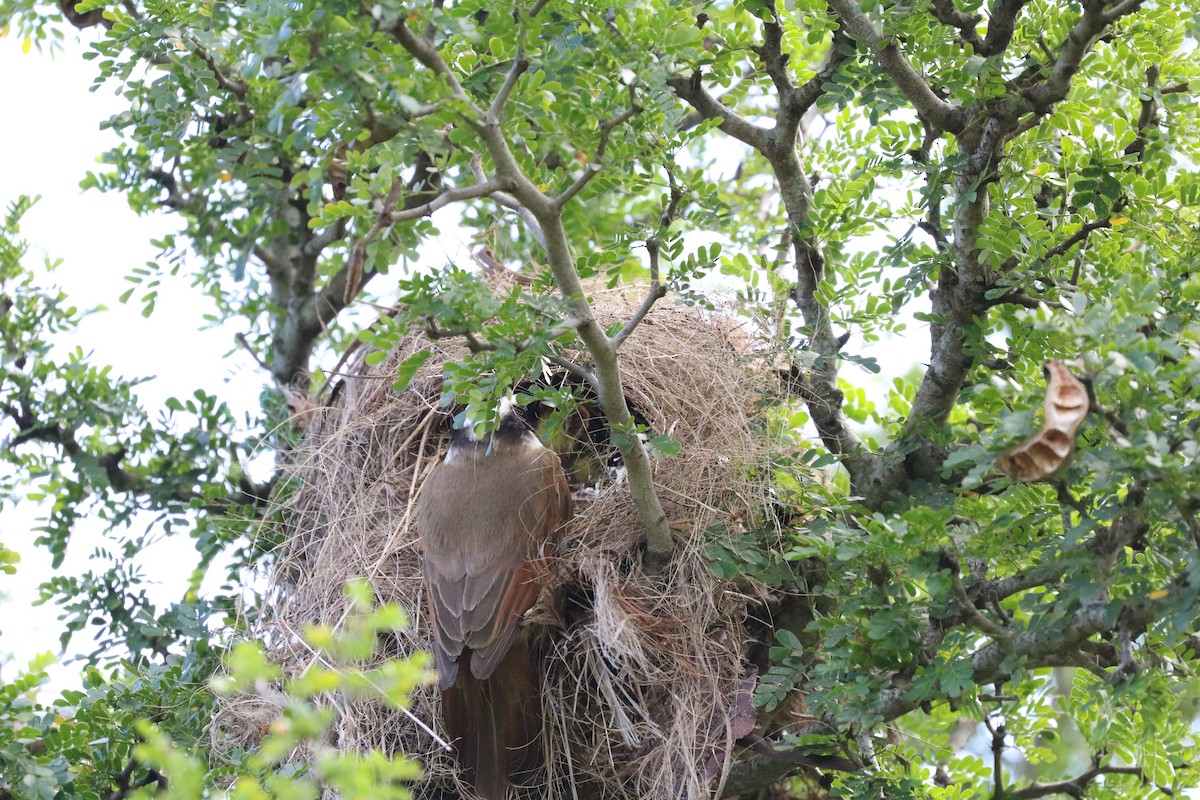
<point x="1146" y="119"/>
<point x="596" y="164"/>
<point x="946" y="117"/>
<point x="479" y="345"/>
<point x="389" y="216"/>
<point x="653" y="244"/>
<point x="1069" y="645"/>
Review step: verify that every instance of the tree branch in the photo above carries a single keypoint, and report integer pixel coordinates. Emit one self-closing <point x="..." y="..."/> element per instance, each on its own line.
<point x="691" y="90"/>
<point x="518" y="68"/>
<point x="801" y="98"/>
<point x="818" y="388"/>
<point x="320" y="309"/>
<point x="1075" y="787"/>
<point x="941" y="114"/>
<point x="506" y="200"/>
<point x="767" y="765"/>
<point x="1085" y="230"/>
<point x="1016" y="298"/>
<point x="1002" y="24"/>
<point x="425" y="53"/>
<point x="596" y="164"/>
<point x="771" y="53"/>
<point x="445" y="198"/>
<point x="1092" y="23"/>
<point x="945" y="12"/>
<point x="235" y="87"/>
<point x="1052" y="645"/>
<point x="119" y="479"/>
<point x="653" y="244"/>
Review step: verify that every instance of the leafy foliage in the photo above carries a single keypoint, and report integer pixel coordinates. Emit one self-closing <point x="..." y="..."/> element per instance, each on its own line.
<point x="990" y="185"/>
<point x="123" y="727"/>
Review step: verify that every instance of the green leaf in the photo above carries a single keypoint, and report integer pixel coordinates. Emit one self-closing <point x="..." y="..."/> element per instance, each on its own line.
<point x="409" y="367"/>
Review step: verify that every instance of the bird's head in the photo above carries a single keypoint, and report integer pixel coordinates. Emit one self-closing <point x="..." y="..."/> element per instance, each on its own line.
<point x="514" y="428"/>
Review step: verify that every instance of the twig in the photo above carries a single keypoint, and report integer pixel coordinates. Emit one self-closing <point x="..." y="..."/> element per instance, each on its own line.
<point x="234" y="87"/>
<point x="1080" y="235"/>
<point x="653" y="245"/>
<point x="998" y="734"/>
<point x="656" y="292"/>
<point x="354" y="264"/>
<point x="240" y="338"/>
<point x="594" y="167"/>
<point x="972" y="613"/>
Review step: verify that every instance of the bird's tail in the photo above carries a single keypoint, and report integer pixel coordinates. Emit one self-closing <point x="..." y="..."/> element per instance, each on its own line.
<point x="495" y="723"/>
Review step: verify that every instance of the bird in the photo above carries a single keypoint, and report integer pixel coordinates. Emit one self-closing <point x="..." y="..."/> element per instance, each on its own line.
<point x="488" y="516"/>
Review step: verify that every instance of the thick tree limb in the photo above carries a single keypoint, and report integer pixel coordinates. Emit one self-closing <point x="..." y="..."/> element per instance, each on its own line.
<point x="943" y="115"/>
<point x="1002" y="24"/>
<point x="1092" y="23"/>
<point x="767" y="765"/>
<point x="771" y="53"/>
<point x="945" y="12"/>
<point x="691" y="90"/>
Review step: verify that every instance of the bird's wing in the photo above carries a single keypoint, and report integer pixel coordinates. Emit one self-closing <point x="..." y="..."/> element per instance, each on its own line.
<point x="484" y="524"/>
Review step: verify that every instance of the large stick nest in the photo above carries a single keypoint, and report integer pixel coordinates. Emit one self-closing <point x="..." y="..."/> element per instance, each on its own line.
<point x="646" y="680"/>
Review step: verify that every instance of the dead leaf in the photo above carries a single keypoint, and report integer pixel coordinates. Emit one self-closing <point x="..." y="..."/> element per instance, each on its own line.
<point x="1047" y="451"/>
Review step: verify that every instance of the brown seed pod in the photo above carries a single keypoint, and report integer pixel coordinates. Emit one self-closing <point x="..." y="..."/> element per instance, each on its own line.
<point x="1047" y="451"/>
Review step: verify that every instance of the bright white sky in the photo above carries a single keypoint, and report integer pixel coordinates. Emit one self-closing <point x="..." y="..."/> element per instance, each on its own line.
<point x="50" y="138"/>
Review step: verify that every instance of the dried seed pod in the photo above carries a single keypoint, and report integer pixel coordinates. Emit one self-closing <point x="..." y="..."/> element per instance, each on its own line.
<point x="1048" y="450"/>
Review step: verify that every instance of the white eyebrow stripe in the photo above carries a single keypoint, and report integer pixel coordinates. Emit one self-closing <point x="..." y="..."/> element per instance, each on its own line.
<point x="506" y="405"/>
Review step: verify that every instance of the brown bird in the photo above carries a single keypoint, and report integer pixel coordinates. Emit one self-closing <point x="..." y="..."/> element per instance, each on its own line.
<point x="487" y="516"/>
